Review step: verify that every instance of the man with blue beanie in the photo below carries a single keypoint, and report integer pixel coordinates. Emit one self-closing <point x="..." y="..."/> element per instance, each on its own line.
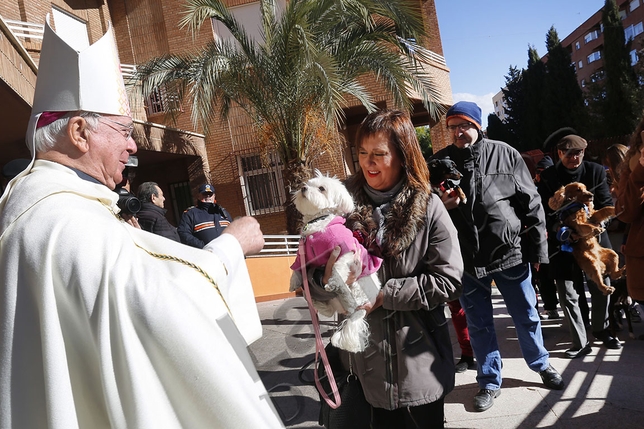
<point x="501" y="231"/>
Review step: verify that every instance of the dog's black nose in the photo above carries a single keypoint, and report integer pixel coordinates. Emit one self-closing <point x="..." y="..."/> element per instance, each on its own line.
<point x="304" y="188"/>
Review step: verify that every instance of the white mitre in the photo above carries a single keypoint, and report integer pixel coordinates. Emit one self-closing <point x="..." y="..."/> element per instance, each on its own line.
<point x="69" y="80"/>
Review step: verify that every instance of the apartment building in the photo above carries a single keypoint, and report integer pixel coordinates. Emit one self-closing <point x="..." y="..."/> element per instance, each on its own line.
<point x="586" y="42"/>
<point x="500" y="106"/>
<point x="173" y="153"/>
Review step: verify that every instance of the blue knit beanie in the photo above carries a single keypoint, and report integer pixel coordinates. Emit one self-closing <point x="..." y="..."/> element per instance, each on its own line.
<point x="466" y="110"/>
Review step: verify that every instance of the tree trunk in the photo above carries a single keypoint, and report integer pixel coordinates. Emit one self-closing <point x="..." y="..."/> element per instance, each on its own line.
<point x="295" y="174"/>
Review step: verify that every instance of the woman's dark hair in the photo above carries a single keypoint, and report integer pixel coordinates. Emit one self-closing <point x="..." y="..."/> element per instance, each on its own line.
<point x="398" y="127"/>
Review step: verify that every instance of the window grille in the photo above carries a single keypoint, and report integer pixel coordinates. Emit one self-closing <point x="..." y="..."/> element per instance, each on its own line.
<point x="180" y="198"/>
<point x="160" y="101"/>
<point x="262" y="185"/>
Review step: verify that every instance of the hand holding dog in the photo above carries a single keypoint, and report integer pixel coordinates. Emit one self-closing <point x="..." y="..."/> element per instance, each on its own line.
<point x="451" y="200"/>
<point x="328" y="269"/>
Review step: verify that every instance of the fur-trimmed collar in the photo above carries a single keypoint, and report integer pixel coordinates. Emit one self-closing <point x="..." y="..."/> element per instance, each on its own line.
<point x="402" y="223"/>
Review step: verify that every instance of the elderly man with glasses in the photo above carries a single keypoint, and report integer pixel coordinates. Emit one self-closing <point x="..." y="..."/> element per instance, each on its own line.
<point x="568" y="277"/>
<point x="105" y="325"/>
<point x="501" y="231"/>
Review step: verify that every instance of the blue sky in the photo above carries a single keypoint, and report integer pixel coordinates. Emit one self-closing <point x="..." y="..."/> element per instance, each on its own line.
<point x="483" y="38"/>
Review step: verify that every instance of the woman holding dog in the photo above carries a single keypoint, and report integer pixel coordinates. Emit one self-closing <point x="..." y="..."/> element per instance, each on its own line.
<point x="629" y="209"/>
<point x="408" y="367"/>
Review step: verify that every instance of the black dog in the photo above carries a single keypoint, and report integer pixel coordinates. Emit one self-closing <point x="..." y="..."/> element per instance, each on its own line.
<point x="445" y="177"/>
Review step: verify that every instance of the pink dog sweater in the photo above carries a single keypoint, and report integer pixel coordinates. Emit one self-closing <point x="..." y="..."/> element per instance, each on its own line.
<point x="318" y="247"/>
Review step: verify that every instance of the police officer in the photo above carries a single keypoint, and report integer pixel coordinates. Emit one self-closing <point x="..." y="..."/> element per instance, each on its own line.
<point x="205" y="222"/>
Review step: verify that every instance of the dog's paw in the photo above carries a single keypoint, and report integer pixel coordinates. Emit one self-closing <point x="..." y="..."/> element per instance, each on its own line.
<point x="608" y="290"/>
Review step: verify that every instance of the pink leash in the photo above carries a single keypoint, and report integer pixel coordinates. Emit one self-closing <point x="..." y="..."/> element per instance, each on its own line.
<point x="319" y="345"/>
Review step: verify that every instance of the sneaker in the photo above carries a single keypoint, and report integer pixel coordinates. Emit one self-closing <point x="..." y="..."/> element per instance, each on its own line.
<point x="484" y="399"/>
<point x="551" y="378"/>
<point x="550" y="315"/>
<point x="574" y="353"/>
<point x="465" y="363"/>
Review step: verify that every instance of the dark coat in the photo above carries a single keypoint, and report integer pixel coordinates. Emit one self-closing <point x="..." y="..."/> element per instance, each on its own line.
<point x="152" y="218"/>
<point x="409" y="360"/>
<point x="562" y="264"/>
<point x="502" y="225"/>
<point x="202" y="224"/>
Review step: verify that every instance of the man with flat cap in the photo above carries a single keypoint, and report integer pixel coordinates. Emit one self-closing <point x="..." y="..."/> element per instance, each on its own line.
<point x="205" y="222"/>
<point x="568" y="277"/>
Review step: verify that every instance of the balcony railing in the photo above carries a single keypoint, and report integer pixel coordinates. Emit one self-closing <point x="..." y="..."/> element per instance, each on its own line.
<point x="25" y="30"/>
<point x="280" y="245"/>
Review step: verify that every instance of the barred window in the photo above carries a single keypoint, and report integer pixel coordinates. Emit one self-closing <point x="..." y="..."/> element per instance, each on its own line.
<point x="262" y="185"/>
<point x="160" y="101"/>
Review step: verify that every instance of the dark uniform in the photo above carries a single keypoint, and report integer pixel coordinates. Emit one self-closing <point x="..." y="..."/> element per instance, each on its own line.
<point x="201" y="224"/>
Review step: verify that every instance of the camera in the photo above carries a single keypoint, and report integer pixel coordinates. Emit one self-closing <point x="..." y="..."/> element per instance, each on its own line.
<point x="128" y="203"/>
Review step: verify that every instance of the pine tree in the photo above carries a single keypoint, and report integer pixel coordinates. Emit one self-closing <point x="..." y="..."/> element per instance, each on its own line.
<point x="497" y="129"/>
<point x="514" y="95"/>
<point x="532" y="131"/>
<point x="563" y="101"/>
<point x="619" y="102"/>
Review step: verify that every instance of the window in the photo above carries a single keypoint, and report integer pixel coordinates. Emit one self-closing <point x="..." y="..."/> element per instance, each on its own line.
<point x="635" y="4"/>
<point x="262" y="185"/>
<point x="634" y="57"/>
<point x="581" y="64"/>
<point x="583" y="83"/>
<point x="591" y="36"/>
<point x="160" y="101"/>
<point x="595" y="56"/>
<point x="597" y="76"/>
<point x="577" y="45"/>
<point x="180" y="198"/>
<point x="71" y="29"/>
<point x="622" y="14"/>
<point x="633" y="30"/>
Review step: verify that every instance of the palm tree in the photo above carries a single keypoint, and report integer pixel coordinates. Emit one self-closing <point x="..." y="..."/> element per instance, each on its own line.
<point x="294" y="83"/>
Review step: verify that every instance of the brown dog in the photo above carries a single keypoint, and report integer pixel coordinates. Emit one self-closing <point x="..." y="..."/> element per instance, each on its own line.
<point x="574" y="204"/>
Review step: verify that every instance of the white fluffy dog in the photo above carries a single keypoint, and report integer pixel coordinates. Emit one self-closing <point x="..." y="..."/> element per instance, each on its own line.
<point x="323" y="200"/>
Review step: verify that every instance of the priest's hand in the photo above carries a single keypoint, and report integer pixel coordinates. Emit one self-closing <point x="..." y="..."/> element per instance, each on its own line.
<point x="247" y="231"/>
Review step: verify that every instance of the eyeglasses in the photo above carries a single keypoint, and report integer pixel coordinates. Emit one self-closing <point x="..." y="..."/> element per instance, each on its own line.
<point x="461" y="127"/>
<point x="570" y="153"/>
<point x="125" y="130"/>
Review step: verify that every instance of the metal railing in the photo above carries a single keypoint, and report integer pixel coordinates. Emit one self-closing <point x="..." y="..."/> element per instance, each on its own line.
<point x="439" y="59"/>
<point x="25" y="30"/>
<point x="280" y="245"/>
<point x="128" y="71"/>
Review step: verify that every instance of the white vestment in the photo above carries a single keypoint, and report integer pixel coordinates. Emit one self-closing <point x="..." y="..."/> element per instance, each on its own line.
<point x="104" y="325"/>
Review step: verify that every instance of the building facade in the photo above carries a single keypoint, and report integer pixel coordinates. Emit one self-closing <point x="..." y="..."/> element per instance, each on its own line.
<point x="170" y="151"/>
<point x="586" y="42"/>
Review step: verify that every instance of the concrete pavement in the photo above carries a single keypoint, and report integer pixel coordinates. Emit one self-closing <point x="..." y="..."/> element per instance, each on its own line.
<point x="603" y="389"/>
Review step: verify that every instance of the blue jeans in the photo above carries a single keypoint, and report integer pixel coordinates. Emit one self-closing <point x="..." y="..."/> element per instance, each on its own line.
<point x="515" y="284"/>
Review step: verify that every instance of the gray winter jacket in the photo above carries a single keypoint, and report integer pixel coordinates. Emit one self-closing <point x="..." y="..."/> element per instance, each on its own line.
<point x="409" y="360"/>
